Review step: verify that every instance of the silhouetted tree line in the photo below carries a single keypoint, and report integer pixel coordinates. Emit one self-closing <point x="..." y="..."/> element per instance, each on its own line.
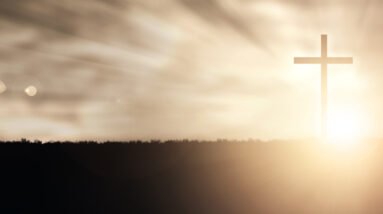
<point x="26" y="141"/>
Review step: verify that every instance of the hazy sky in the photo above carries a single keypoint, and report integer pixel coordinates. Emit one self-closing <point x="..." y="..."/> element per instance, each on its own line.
<point x="206" y="69"/>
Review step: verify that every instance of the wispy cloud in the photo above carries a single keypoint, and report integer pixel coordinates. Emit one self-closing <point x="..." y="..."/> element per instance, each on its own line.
<point x="179" y="68"/>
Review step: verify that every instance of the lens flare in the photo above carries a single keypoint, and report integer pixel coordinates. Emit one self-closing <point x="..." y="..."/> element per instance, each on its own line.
<point x="31" y="91"/>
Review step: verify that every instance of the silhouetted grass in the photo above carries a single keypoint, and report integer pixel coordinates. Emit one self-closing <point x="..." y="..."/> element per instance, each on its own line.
<point x="186" y="176"/>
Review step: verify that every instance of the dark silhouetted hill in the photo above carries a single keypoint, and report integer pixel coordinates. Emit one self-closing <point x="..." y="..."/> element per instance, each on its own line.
<point x="183" y="177"/>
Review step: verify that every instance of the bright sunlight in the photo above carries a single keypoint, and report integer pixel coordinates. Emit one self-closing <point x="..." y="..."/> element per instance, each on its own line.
<point x="347" y="126"/>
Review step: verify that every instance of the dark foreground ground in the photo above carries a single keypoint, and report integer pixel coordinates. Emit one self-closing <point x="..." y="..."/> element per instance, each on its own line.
<point x="197" y="178"/>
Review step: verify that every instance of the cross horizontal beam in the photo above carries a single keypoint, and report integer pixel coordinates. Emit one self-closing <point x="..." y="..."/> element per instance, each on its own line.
<point x="323" y="60"/>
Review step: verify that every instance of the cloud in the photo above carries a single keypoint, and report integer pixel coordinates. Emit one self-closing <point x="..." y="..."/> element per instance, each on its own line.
<point x="130" y="69"/>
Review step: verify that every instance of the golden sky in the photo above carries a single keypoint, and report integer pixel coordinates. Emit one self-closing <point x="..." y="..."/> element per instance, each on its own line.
<point x="205" y="69"/>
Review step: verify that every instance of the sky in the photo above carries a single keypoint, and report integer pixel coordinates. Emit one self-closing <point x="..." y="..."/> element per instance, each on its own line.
<point x="175" y="69"/>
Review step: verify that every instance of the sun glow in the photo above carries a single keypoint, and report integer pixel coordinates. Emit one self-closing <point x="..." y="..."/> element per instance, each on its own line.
<point x="346" y="126"/>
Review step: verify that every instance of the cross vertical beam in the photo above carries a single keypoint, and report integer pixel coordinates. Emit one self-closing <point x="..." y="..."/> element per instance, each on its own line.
<point x="323" y="60"/>
<point x="324" y="86"/>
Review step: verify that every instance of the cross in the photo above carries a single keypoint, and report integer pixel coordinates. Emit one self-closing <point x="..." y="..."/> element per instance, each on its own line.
<point x="323" y="60"/>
